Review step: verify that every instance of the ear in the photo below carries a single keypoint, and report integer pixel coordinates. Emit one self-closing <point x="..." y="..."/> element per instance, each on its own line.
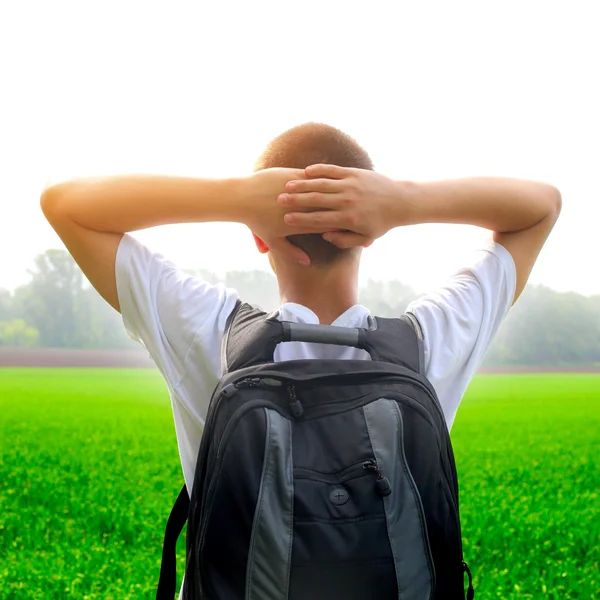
<point x="260" y="245"/>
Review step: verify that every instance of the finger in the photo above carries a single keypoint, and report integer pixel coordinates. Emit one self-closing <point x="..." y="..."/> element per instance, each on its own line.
<point x="329" y="171"/>
<point x="325" y="219"/>
<point x="347" y="239"/>
<point x="292" y="253"/>
<point x="314" y="185"/>
<point x="306" y="200"/>
<point x="319" y="229"/>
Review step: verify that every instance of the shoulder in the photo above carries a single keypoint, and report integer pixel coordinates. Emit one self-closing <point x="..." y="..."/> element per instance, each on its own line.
<point x="487" y="278"/>
<point x="460" y="318"/>
<point x="169" y="310"/>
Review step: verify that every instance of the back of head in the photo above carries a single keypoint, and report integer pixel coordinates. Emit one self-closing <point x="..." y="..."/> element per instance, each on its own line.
<point x="306" y="145"/>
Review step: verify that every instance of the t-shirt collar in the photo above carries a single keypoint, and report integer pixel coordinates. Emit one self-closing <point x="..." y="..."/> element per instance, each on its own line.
<point x="352" y="317"/>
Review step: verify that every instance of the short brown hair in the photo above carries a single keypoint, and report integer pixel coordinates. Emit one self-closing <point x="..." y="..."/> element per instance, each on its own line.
<point x="306" y="145"/>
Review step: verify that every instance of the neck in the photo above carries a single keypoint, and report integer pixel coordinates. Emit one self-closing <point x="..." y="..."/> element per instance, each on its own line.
<point x="328" y="292"/>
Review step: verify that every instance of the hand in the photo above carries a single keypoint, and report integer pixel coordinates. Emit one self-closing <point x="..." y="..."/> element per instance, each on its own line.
<point x="265" y="217"/>
<point x="360" y="204"/>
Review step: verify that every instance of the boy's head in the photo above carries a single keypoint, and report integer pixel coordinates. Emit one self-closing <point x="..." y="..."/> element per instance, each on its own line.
<point x="306" y="145"/>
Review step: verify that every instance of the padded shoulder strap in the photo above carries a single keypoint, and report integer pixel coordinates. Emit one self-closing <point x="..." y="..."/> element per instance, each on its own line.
<point x="420" y="340"/>
<point x="167" y="580"/>
<point x="396" y="341"/>
<point x="251" y="338"/>
<point x="225" y="340"/>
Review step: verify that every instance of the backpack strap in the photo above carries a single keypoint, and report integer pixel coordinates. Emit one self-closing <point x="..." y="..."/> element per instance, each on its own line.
<point x="224" y="364"/>
<point x="167" y="580"/>
<point x="420" y="339"/>
<point x="253" y="336"/>
<point x="398" y="341"/>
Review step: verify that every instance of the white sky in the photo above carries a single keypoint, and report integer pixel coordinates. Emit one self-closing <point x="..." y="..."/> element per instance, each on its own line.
<point x="432" y="90"/>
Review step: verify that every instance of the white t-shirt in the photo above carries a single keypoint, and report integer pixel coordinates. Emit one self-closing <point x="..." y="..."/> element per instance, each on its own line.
<point x="181" y="319"/>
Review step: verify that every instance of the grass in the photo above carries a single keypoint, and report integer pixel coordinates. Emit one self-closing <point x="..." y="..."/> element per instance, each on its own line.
<point x="527" y="449"/>
<point x="89" y="469"/>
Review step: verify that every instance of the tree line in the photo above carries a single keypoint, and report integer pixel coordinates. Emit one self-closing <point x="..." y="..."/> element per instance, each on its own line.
<point x="58" y="308"/>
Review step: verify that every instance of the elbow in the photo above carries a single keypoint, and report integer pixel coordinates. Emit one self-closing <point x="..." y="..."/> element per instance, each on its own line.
<point x="553" y="200"/>
<point x="556" y="197"/>
<point x="556" y="201"/>
<point x="52" y="200"/>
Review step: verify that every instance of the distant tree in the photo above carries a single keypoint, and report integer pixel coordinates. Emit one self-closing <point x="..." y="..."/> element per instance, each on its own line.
<point x="6" y="305"/>
<point x="52" y="300"/>
<point x="105" y="329"/>
<point x="256" y="287"/>
<point x="386" y="298"/>
<point x="66" y="311"/>
<point x="59" y="307"/>
<point x="548" y="328"/>
<point x="18" y="333"/>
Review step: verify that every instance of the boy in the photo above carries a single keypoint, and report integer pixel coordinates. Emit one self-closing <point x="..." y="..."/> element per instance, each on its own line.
<point x="312" y="204"/>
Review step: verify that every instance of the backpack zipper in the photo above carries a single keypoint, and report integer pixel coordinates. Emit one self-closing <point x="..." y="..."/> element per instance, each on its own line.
<point x="295" y="404"/>
<point x="382" y="483"/>
<point x="248" y="382"/>
<point x="360" y="469"/>
<point x="342" y="476"/>
<point x="253" y="382"/>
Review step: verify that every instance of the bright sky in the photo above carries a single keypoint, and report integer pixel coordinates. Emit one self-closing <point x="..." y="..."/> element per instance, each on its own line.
<point x="432" y="90"/>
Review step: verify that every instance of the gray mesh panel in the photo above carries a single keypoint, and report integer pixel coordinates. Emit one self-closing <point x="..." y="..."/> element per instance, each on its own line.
<point x="405" y="523"/>
<point x="272" y="530"/>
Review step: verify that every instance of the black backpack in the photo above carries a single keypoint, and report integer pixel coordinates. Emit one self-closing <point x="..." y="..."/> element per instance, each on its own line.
<point x="320" y="479"/>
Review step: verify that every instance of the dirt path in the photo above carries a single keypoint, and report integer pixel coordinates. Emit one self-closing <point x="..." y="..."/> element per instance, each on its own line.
<point x="139" y="359"/>
<point x="63" y="357"/>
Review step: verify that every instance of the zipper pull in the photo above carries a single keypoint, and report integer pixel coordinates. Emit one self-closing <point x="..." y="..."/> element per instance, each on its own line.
<point x="231" y="388"/>
<point x="382" y="483"/>
<point x="249" y="382"/>
<point x="295" y="404"/>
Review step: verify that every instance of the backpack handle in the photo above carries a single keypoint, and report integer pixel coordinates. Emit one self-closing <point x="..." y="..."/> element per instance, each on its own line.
<point x="323" y="334"/>
<point x="253" y="336"/>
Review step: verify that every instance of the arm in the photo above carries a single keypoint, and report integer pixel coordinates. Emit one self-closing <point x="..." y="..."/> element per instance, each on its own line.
<point x="520" y="213"/>
<point x="91" y="215"/>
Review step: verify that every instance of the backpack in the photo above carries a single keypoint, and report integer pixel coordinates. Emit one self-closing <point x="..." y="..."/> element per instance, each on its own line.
<point x="320" y="479"/>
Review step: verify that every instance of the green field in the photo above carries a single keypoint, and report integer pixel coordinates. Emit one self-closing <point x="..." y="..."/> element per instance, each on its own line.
<point x="89" y="469"/>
